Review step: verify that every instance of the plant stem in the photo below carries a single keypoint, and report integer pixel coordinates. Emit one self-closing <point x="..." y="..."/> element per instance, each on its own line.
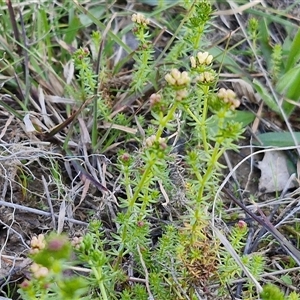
<point x="100" y="281"/>
<point x="144" y="178"/>
<point x="163" y="123"/>
<point x="95" y="122"/>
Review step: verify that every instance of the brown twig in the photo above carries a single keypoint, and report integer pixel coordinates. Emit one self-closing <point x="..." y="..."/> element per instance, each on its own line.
<point x="264" y="221"/>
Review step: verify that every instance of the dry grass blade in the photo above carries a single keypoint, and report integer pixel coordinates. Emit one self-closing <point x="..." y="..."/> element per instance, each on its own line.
<point x="84" y="175"/>
<point x="233" y="253"/>
<point x="237" y="9"/>
<point x="39" y="212"/>
<point x="264" y="221"/>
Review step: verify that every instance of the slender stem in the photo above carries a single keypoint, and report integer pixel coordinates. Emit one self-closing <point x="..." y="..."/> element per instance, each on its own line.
<point x="95" y="125"/>
<point x="211" y="167"/>
<point x="163" y="123"/>
<point x="127" y="182"/>
<point x="204" y="117"/>
<point x="202" y="123"/>
<point x="147" y="172"/>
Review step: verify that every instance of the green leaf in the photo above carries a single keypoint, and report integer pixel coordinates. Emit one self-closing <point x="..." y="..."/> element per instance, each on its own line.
<point x="288" y="85"/>
<point x="72" y="30"/>
<point x="265" y="95"/>
<point x="294" y="53"/>
<point x="278" y="139"/>
<point x="264" y="39"/>
<point x="287" y="279"/>
<point x="97" y="13"/>
<point x="244" y="117"/>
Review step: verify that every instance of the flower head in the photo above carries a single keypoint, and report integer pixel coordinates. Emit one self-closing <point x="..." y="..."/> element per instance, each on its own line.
<point x="149" y="142"/>
<point x="177" y="78"/>
<point x="202" y="59"/>
<point x="140" y="19"/>
<point x="37" y="243"/>
<point x="39" y="271"/>
<point x="155" y="99"/>
<point x="181" y="94"/>
<point x="229" y="96"/>
<point x="206" y="77"/>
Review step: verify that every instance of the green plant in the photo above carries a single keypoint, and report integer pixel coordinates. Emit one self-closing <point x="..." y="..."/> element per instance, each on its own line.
<point x="188" y="247"/>
<point x="155" y="240"/>
<point x="230" y="270"/>
<point x="284" y="69"/>
<point x="52" y="257"/>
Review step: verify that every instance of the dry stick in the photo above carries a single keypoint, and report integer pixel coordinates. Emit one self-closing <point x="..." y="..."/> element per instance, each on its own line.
<point x="15" y="232"/>
<point x="263" y="232"/>
<point x="39" y="212"/>
<point x="264" y="221"/>
<point x="146" y="273"/>
<point x="49" y="202"/>
<point x="275" y="273"/>
<point x="236" y="10"/>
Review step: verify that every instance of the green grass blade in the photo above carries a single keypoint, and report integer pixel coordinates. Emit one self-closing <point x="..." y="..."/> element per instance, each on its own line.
<point x="265" y="95"/>
<point x="288" y="85"/>
<point x="279" y="139"/>
<point x="102" y="26"/>
<point x="294" y="53"/>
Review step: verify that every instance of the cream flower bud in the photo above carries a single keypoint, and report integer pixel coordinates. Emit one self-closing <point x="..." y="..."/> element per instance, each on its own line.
<point x="209" y="77"/>
<point x="175" y="77"/>
<point x="184" y="78"/>
<point x="134" y="18"/>
<point x="193" y="62"/>
<point x="205" y="77"/>
<point x="139" y="19"/>
<point x="169" y="78"/>
<point x="175" y="73"/>
<point x="150" y="140"/>
<point x="181" y="94"/>
<point x="202" y="57"/>
<point x="221" y="93"/>
<point x="236" y="103"/>
<point x="209" y="59"/>
<point x="231" y="94"/>
<point x="154" y="99"/>
<point x="37" y="243"/>
<point x="39" y="271"/>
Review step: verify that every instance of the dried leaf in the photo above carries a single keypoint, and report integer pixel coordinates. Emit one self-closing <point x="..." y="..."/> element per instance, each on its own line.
<point x="274" y="172"/>
<point x="244" y="89"/>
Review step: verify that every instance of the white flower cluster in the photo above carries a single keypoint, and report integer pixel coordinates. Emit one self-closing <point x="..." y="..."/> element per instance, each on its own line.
<point x="175" y="77"/>
<point x="206" y="77"/>
<point x="140" y="19"/>
<point x="202" y="58"/>
<point x="151" y="140"/>
<point x="229" y="96"/>
<point x="37" y="243"/>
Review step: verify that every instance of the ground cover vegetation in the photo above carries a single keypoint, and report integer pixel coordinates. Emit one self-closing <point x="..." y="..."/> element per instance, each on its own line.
<point x="123" y="129"/>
